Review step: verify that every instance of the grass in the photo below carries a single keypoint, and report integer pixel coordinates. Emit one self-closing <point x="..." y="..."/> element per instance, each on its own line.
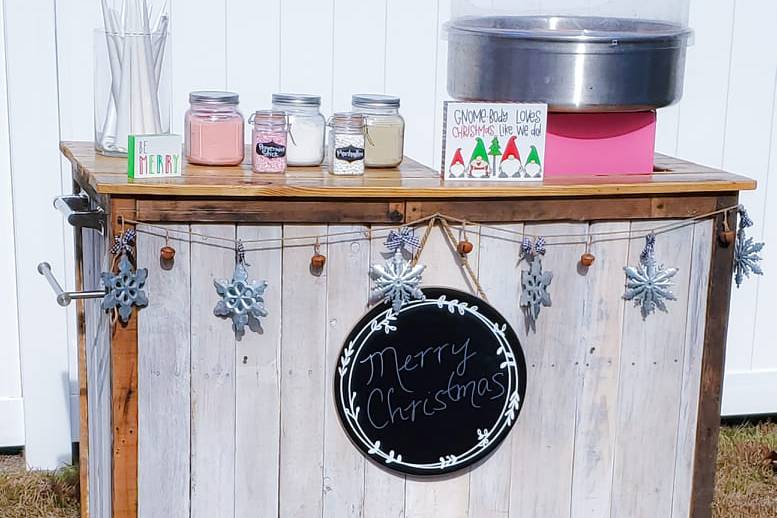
<point x="746" y="482"/>
<point x="31" y="494"/>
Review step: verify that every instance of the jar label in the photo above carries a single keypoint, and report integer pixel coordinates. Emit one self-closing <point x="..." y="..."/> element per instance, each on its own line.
<point x="349" y="153"/>
<point x="270" y="149"/>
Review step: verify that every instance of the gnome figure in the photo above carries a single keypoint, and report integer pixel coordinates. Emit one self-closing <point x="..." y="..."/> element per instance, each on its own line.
<point x="457" y="168"/>
<point x="533" y="164"/>
<point x="511" y="166"/>
<point x="478" y="163"/>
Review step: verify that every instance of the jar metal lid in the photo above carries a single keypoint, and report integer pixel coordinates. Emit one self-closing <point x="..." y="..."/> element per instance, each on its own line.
<point x="270" y="118"/>
<point x="297" y="99"/>
<point x="375" y="101"/>
<point x="347" y="120"/>
<point x="214" y="97"/>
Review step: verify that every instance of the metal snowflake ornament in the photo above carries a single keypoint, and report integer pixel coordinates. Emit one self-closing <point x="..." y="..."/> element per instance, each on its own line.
<point x="746" y="258"/>
<point x="125" y="288"/>
<point x="242" y="300"/>
<point x="649" y="284"/>
<point x="535" y="282"/>
<point x="397" y="281"/>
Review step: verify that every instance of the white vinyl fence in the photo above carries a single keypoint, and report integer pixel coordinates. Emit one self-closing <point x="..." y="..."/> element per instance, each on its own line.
<point x="333" y="48"/>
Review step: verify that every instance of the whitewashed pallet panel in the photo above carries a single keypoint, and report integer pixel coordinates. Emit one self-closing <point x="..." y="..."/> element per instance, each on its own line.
<point x="98" y="364"/>
<point x="347" y="299"/>
<point x="303" y="375"/>
<point x="600" y="335"/>
<point x="212" y="378"/>
<point x="500" y="276"/>
<point x="384" y="491"/>
<point x="649" y="397"/>
<point x="543" y="438"/>
<point x="257" y="392"/>
<point x="703" y="235"/>
<point x="164" y="376"/>
<point x="446" y="496"/>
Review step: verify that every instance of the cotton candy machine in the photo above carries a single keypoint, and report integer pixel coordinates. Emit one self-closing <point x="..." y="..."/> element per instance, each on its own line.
<point x="581" y="57"/>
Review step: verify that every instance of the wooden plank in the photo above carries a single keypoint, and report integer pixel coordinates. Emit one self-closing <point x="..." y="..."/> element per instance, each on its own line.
<point x="751" y="104"/>
<point x="712" y="363"/>
<point x="543" y="437"/>
<point x="574" y="209"/>
<point x="412" y="180"/>
<point x="703" y="234"/>
<point x="98" y="367"/>
<point x="302" y="380"/>
<point x="500" y="276"/>
<point x="212" y="378"/>
<point x="258" y="401"/>
<point x="268" y="211"/>
<point x="600" y="335"/>
<point x="419" y="19"/>
<point x="164" y="377"/>
<point x="243" y="61"/>
<point x="124" y="393"/>
<point x="384" y="491"/>
<point x="650" y="386"/>
<point x="347" y="299"/>
<point x="312" y="22"/>
<point x="81" y="263"/>
<point x="10" y="372"/>
<point x="364" y="43"/>
<point x="444" y="496"/>
<point x="198" y="63"/>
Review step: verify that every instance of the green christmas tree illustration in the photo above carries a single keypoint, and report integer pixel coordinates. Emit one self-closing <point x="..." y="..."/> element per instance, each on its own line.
<point x="494" y="150"/>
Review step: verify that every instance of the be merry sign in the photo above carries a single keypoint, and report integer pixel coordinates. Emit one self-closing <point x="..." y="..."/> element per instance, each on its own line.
<point x="494" y="141"/>
<point x="432" y="388"/>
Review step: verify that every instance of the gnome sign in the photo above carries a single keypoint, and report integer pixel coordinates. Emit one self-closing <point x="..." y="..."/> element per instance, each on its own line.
<point x="504" y="141"/>
<point x="478" y="163"/>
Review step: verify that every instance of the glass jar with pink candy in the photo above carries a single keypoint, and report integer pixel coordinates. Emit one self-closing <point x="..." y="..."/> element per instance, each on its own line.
<point x="271" y="128"/>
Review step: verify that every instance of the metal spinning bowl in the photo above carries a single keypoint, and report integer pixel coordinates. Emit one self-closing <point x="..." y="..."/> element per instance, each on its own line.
<point x="573" y="64"/>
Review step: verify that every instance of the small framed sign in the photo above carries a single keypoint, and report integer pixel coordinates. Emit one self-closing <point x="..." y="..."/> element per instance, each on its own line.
<point x="493" y="141"/>
<point x="154" y="156"/>
<point x="432" y="388"/>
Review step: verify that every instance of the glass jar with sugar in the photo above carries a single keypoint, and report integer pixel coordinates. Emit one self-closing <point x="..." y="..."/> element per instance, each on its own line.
<point x="214" y="129"/>
<point x="385" y="129"/>
<point x="346" y="144"/>
<point x="306" y="128"/>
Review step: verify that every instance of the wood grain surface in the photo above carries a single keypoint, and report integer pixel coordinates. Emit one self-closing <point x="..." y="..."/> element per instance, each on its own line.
<point x="106" y="176"/>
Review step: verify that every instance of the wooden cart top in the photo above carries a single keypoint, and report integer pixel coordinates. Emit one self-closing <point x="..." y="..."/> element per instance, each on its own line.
<point x="108" y="176"/>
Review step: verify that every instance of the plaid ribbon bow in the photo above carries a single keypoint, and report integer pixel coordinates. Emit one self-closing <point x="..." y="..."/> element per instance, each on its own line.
<point x="537" y="248"/>
<point x="649" y="250"/>
<point x="124" y="242"/>
<point x="403" y="238"/>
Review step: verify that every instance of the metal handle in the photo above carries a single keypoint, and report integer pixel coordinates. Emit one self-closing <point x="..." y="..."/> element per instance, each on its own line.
<point x="64" y="298"/>
<point x="76" y="208"/>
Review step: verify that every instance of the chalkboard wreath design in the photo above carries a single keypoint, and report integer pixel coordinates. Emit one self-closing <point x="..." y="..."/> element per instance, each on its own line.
<point x="472" y="427"/>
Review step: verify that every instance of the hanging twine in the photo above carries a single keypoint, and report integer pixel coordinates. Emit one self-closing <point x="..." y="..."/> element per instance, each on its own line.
<point x="464" y="261"/>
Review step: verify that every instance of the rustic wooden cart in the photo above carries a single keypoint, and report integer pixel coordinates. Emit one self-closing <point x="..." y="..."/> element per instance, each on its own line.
<point x="180" y="419"/>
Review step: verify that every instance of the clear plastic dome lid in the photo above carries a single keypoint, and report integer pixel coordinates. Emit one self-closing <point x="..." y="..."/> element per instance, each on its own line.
<point x="673" y="12"/>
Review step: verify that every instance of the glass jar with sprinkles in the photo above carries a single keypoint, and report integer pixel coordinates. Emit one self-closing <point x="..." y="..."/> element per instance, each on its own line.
<point x="385" y="129"/>
<point x="269" y="141"/>
<point x="346" y="144"/>
<point x="306" y="128"/>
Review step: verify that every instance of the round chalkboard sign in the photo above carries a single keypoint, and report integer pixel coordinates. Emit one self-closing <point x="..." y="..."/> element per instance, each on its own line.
<point x="433" y="388"/>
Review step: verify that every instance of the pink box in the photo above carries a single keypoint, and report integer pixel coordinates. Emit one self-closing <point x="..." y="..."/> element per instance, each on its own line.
<point x="600" y="144"/>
